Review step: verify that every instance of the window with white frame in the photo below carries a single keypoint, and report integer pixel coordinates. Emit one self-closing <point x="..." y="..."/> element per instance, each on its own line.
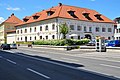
<point x="25" y="30"/>
<point x="40" y="37"/>
<point x="46" y="27"/>
<point x="53" y="36"/>
<point x="30" y="38"/>
<point x="103" y="29"/>
<point x="35" y="37"/>
<point x="97" y="29"/>
<point x="21" y="31"/>
<point x="79" y="28"/>
<point x="40" y="28"/>
<point x="109" y="30"/>
<point x="46" y="37"/>
<point x="30" y="29"/>
<point x="71" y="27"/>
<point x="17" y="31"/>
<point x="90" y="29"/>
<point x="53" y="26"/>
<point x="85" y="28"/>
<point x="35" y="29"/>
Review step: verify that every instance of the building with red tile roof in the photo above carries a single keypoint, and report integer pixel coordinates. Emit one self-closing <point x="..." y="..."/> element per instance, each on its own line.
<point x="86" y="23"/>
<point x="7" y="27"/>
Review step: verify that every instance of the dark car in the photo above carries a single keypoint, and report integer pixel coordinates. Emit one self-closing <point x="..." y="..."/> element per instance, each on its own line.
<point x="91" y="43"/>
<point x="5" y="46"/>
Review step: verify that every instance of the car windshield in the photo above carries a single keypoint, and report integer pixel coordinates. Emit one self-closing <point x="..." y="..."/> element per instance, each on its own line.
<point x="13" y="44"/>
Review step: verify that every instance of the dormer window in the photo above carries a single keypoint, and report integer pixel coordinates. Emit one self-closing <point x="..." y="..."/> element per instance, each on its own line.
<point x="98" y="16"/>
<point x="86" y="15"/>
<point x="26" y="19"/>
<point x="36" y="16"/>
<point x="49" y="13"/>
<point x="72" y="14"/>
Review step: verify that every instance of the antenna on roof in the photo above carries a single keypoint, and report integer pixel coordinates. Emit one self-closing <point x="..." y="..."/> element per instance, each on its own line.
<point x="60" y="4"/>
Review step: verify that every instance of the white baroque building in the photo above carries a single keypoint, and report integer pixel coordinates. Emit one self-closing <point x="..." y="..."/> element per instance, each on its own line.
<point x="117" y="29"/>
<point x="82" y="22"/>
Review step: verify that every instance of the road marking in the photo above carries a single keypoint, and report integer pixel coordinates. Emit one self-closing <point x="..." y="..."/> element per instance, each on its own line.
<point x="59" y="64"/>
<point x="11" y="61"/>
<point x="70" y="59"/>
<point x="110" y="66"/>
<point x="38" y="73"/>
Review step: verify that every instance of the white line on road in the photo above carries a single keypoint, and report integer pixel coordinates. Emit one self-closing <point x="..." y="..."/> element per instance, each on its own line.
<point x="110" y="66"/>
<point x="11" y="61"/>
<point x="70" y="59"/>
<point x="38" y="73"/>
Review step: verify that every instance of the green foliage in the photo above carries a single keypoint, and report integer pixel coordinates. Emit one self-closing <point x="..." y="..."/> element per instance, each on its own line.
<point x="64" y="29"/>
<point x="63" y="42"/>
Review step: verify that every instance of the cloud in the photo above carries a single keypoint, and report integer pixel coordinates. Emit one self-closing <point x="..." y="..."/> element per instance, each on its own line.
<point x="1" y="19"/>
<point x="13" y="9"/>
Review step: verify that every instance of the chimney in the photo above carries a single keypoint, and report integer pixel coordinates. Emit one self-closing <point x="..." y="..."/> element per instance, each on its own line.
<point x="60" y="4"/>
<point x="12" y="14"/>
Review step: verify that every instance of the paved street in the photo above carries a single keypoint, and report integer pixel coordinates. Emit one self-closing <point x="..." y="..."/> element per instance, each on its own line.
<point x="44" y="64"/>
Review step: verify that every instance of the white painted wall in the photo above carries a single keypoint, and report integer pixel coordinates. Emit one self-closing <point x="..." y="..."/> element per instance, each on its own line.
<point x="69" y="22"/>
<point x="11" y="37"/>
<point x="117" y="34"/>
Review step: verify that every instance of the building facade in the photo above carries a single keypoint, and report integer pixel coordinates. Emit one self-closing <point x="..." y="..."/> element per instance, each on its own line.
<point x="82" y="23"/>
<point x="8" y="26"/>
<point x="117" y="28"/>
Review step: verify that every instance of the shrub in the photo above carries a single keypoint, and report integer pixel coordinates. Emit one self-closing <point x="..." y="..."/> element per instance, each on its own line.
<point x="61" y="42"/>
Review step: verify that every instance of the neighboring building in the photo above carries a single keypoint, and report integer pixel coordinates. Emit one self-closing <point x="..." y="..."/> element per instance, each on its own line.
<point x="83" y="23"/>
<point x="8" y="27"/>
<point x="117" y="29"/>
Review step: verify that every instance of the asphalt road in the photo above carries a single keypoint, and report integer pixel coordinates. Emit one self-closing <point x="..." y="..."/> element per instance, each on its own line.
<point x="21" y="66"/>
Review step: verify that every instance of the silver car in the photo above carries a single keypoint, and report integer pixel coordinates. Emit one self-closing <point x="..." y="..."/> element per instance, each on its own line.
<point x="13" y="46"/>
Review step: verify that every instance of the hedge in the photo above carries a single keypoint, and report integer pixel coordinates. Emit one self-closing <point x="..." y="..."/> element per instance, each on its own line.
<point x="61" y="42"/>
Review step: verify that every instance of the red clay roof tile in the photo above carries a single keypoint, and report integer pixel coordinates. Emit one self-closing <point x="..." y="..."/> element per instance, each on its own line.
<point x="61" y="11"/>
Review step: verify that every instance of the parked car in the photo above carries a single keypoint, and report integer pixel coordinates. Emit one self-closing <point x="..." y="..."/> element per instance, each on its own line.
<point x="91" y="43"/>
<point x="13" y="46"/>
<point x="5" y="46"/>
<point x="114" y="43"/>
<point x="106" y="42"/>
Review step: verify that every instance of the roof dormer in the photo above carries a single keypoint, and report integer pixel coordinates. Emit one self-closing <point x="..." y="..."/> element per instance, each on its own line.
<point x="86" y="15"/>
<point x="72" y="13"/>
<point x="36" y="16"/>
<point x="26" y="18"/>
<point x="50" y="12"/>
<point x="98" y="16"/>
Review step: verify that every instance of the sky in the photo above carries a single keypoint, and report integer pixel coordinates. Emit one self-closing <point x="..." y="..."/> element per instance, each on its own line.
<point x="22" y="8"/>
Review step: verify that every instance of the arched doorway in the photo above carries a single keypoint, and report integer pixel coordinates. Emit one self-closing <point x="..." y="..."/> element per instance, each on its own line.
<point x="88" y="36"/>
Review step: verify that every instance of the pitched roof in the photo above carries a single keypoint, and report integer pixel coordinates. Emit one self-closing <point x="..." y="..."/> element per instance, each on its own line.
<point x="62" y="11"/>
<point x="13" y="19"/>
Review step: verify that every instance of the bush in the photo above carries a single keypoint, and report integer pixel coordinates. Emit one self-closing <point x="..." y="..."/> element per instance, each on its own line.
<point x="61" y="42"/>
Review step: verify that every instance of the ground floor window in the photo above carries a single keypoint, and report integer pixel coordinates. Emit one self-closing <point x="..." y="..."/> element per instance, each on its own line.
<point x="40" y="37"/>
<point x="72" y="37"/>
<point x="78" y="37"/>
<point x="46" y="37"/>
<point x="109" y="38"/>
<point x="53" y="36"/>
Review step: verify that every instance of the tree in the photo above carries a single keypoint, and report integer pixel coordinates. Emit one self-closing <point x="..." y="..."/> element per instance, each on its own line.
<point x="64" y="29"/>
